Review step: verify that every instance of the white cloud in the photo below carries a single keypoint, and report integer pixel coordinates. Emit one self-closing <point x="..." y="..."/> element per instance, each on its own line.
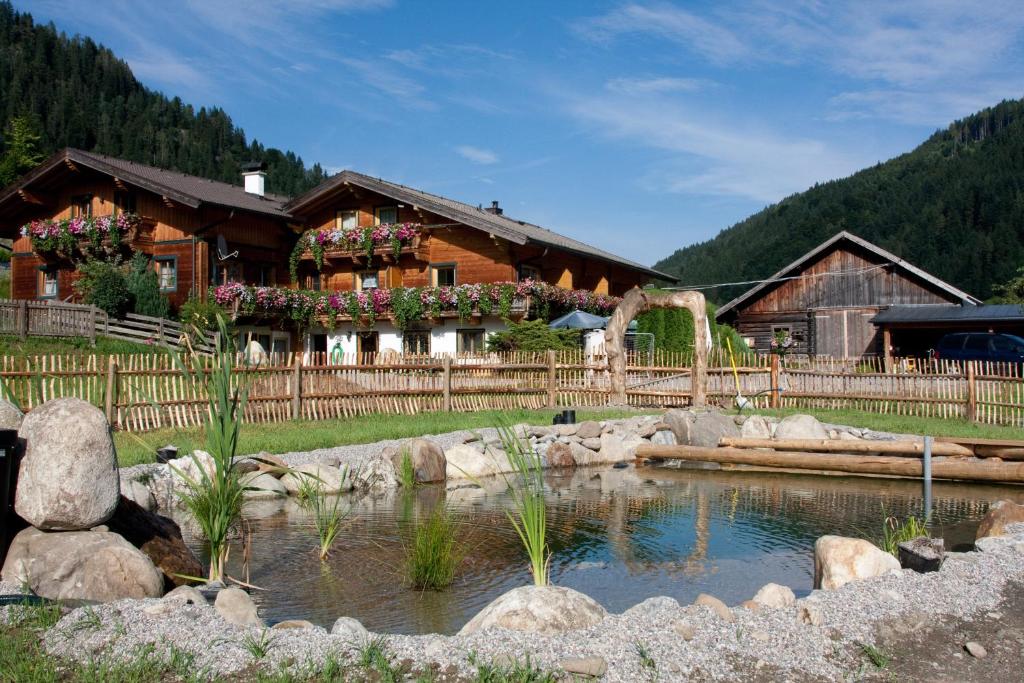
<point x="637" y="86"/>
<point x="477" y="155"/>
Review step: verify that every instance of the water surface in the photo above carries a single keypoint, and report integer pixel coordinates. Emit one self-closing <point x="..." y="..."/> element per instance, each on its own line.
<point x="620" y="536"/>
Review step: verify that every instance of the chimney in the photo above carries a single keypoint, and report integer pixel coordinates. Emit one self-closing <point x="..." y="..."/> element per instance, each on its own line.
<point x="494" y="208"/>
<point x="255" y="175"/>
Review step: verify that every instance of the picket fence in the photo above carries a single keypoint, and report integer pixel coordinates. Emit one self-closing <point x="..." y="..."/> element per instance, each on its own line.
<point x="149" y="391"/>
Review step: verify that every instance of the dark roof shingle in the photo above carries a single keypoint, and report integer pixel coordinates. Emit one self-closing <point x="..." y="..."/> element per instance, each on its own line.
<point x="940" y="313"/>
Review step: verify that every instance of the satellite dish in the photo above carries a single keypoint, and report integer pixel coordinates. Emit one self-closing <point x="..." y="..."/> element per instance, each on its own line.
<point x="222" y="249"/>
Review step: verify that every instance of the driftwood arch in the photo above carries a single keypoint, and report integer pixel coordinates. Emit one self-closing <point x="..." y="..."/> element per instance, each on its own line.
<point x="633" y="304"/>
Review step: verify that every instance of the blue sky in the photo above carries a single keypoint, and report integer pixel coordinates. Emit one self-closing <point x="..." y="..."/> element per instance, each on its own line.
<point x="640" y="127"/>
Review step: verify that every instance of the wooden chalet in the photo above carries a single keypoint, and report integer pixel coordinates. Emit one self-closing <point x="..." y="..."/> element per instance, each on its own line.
<point x="201" y="234"/>
<point x="825" y="300"/>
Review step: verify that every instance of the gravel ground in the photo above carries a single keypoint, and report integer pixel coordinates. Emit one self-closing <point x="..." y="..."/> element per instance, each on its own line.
<point x="763" y="645"/>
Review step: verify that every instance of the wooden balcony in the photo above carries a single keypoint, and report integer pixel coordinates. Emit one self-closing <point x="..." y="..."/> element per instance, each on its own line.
<point x="138" y="238"/>
<point x="419" y="249"/>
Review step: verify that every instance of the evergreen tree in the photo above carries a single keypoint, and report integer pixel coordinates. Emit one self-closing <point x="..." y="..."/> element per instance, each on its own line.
<point x="20" y="150"/>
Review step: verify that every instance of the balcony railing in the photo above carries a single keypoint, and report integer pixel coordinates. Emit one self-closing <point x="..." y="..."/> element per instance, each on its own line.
<point x="55" y="240"/>
<point x="418" y="249"/>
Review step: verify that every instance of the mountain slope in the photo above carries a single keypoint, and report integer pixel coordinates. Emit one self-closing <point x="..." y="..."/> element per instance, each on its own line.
<point x="76" y="93"/>
<point x="954" y="206"/>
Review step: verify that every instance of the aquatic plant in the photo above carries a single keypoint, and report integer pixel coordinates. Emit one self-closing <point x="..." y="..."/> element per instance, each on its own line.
<point x="895" y="532"/>
<point x="529" y="513"/>
<point x="214" y="496"/>
<point x="328" y="513"/>
<point x="406" y="469"/>
<point x="433" y="554"/>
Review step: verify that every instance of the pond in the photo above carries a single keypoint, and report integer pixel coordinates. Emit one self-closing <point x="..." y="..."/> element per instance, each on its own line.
<point x="620" y="536"/>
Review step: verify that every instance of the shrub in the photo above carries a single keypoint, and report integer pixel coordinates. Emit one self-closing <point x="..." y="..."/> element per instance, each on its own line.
<point x="103" y="284"/>
<point x="144" y="286"/>
<point x="532" y="335"/>
<point x="198" y="317"/>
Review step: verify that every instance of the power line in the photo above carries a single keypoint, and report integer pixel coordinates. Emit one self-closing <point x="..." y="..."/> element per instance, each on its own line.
<point x="806" y="276"/>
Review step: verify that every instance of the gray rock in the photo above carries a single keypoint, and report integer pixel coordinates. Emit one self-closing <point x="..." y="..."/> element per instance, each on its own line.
<point x="589" y="430"/>
<point x="350" y="629"/>
<point x="378" y="473"/>
<point x="428" y="459"/>
<point x="83" y="565"/>
<point x="565" y="430"/>
<point x="719" y="607"/>
<point x="592" y="444"/>
<point x="10" y="415"/>
<point x="68" y="476"/>
<point x="559" y="455"/>
<point x="839" y="560"/>
<point x="976" y="650"/>
<point x="594" y="667"/>
<point x="139" y="493"/>
<point x="186" y="595"/>
<point x="665" y="437"/>
<point x="921" y="554"/>
<point x="700" y="428"/>
<point x="327" y="479"/>
<point x="464" y="462"/>
<point x="262" y="486"/>
<point x="756" y="427"/>
<point x="296" y="624"/>
<point x="685" y="631"/>
<point x="619" y="447"/>
<point x="235" y="605"/>
<point x="775" y="596"/>
<point x="538" y="609"/>
<point x="810" y="615"/>
<point x="800" y="427"/>
<point x="999" y="515"/>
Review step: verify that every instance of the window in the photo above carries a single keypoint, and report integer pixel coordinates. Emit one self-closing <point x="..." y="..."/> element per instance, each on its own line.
<point x="977" y="342"/>
<point x="265" y="276"/>
<point x="442" y="275"/>
<point x="81" y="206"/>
<point x="470" y="341"/>
<point x="124" y="202"/>
<point x="416" y="342"/>
<point x="313" y="281"/>
<point x="48" y="283"/>
<point x="347" y="220"/>
<point x="167" y="273"/>
<point x="367" y="280"/>
<point x="529" y="273"/>
<point x="385" y="214"/>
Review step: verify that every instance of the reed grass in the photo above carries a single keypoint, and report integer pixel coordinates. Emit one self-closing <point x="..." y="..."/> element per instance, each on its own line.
<point x="215" y="497"/>
<point x="433" y="554"/>
<point x="895" y="532"/>
<point x="529" y="513"/>
<point x="406" y="469"/>
<point x="328" y="513"/>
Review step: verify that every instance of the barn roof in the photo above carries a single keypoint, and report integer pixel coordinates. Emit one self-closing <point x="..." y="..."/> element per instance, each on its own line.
<point x="516" y="231"/>
<point x="827" y="245"/>
<point x="939" y="313"/>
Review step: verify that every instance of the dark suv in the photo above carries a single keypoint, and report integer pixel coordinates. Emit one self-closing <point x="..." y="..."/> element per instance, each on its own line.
<point x="1007" y="348"/>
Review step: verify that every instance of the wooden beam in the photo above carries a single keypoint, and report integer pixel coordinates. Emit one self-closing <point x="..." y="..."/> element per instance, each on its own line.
<point x="970" y="469"/>
<point x="119" y="184"/>
<point x="168" y="202"/>
<point x="71" y="165"/>
<point x="30" y="198"/>
<point x="901" y="447"/>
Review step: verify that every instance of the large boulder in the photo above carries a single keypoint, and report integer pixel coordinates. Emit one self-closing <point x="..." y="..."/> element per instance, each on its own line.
<point x="664" y="437"/>
<point x="756" y="427"/>
<point x="800" y="427"/>
<point x="140" y="494"/>
<point x="235" y="605"/>
<point x="159" y="538"/>
<point x="428" y="460"/>
<point x="775" y="596"/>
<point x="1000" y="513"/>
<point x="839" y="560"/>
<point x="619" y="447"/>
<point x="82" y="565"/>
<point x="329" y="480"/>
<point x="700" y="428"/>
<point x="465" y="462"/>
<point x="262" y="486"/>
<point x="10" y="415"/>
<point x="538" y="609"/>
<point x="376" y="473"/>
<point x="559" y="455"/>
<point x="191" y="467"/>
<point x="589" y="430"/>
<point x="68" y="478"/>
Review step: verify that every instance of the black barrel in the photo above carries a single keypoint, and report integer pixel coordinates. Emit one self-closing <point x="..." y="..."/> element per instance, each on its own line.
<point x="569" y="417"/>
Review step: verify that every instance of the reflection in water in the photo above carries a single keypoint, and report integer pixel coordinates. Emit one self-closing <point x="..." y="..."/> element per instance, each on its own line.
<point x="618" y="535"/>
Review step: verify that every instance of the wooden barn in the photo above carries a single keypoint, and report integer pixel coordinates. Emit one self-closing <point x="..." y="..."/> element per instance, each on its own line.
<point x="826" y="299"/>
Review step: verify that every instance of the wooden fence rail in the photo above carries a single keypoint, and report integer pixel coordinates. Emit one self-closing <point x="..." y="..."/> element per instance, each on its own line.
<point x="142" y="392"/>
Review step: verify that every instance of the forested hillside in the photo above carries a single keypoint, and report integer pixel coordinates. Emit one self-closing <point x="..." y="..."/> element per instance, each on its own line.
<point x="954" y="206"/>
<point x="72" y="92"/>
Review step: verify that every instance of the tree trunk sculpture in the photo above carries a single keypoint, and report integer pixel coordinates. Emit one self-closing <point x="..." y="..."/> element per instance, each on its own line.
<point x="633" y="304"/>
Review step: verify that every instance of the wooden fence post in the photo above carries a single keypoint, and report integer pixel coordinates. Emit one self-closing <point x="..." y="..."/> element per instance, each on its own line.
<point x="110" y="404"/>
<point x="22" y="318"/>
<point x="552" y="379"/>
<point x="446" y="384"/>
<point x="773" y="375"/>
<point x="92" y="326"/>
<point x="972" y="393"/>
<point x="297" y="388"/>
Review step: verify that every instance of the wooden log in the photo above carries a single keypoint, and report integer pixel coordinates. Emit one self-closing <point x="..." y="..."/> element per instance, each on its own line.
<point x="902" y="447"/>
<point x="446" y="385"/>
<point x="972" y="393"/>
<point x="110" y="402"/>
<point x="552" y="379"/>
<point x="953" y="468"/>
<point x="773" y="379"/>
<point x="296" y="396"/>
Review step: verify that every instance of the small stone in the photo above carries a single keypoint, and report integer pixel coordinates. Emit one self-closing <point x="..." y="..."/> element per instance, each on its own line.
<point x="559" y="455"/>
<point x="262" y="487"/>
<point x="808" y="614"/>
<point x="186" y="595"/>
<point x="760" y="636"/>
<point x="751" y="605"/>
<point x="921" y="554"/>
<point x="589" y="430"/>
<point x="975" y="650"/>
<point x="684" y="630"/>
<point x="592" y="444"/>
<point x="538" y="609"/>
<point x="717" y="605"/>
<point x="775" y="596"/>
<point x="268" y="463"/>
<point x="349" y="628"/>
<point x="595" y="667"/>
<point x="565" y="430"/>
<point x="295" y="624"/>
<point x="235" y="605"/>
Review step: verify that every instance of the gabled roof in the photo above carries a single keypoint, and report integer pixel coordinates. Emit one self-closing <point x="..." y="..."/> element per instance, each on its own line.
<point x="518" y="232"/>
<point x="188" y="190"/>
<point x="825" y="247"/>
<point x="942" y="313"/>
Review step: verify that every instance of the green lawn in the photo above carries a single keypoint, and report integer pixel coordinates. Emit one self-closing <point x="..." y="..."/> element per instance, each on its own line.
<point x="306" y="435"/>
<point x="70" y="346"/>
<point x="905" y="424"/>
